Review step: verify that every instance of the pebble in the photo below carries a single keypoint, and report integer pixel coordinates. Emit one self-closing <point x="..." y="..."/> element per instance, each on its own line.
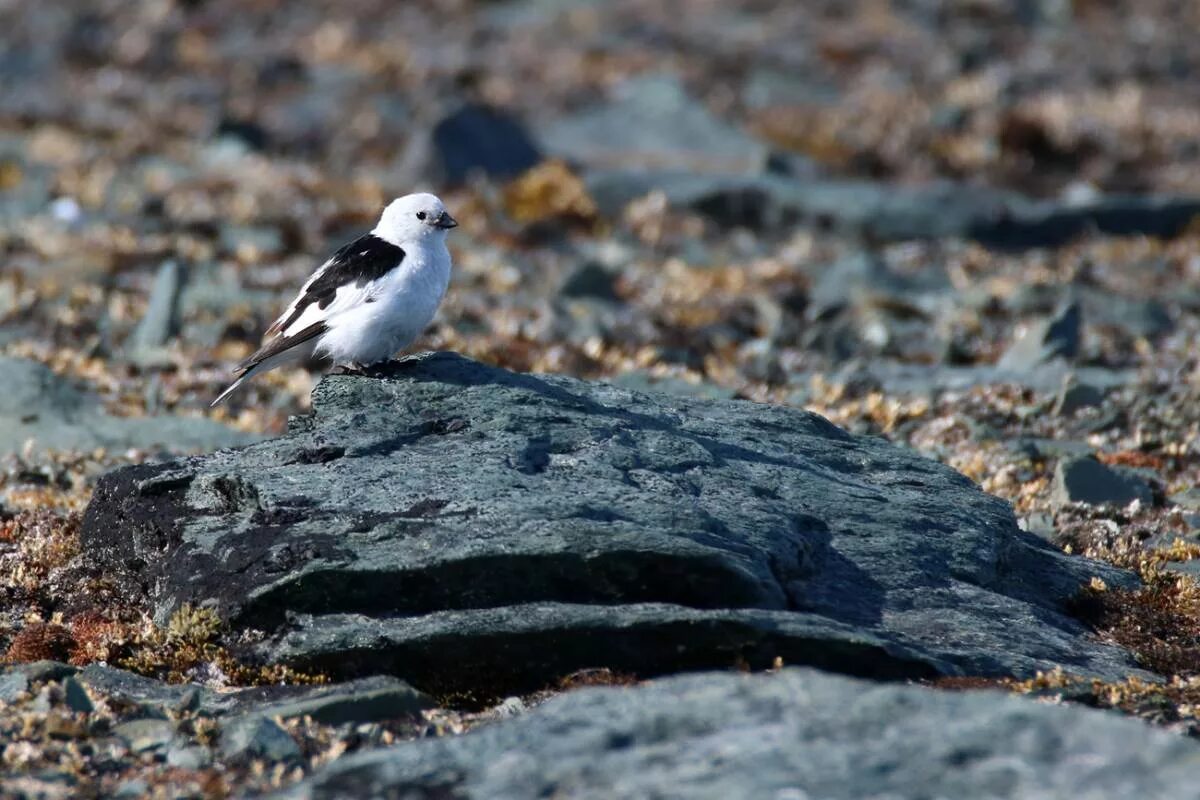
<point x="76" y="696"/>
<point x="257" y="737"/>
<point x="1055" y="337"/>
<point x="142" y="735"/>
<point x="1076" y="396"/>
<point x="13" y="686"/>
<point x="189" y="757"/>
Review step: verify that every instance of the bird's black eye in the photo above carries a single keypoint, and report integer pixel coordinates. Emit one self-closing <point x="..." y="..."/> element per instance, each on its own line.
<point x="421" y="215"/>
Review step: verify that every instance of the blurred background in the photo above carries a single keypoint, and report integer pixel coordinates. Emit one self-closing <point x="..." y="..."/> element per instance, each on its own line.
<point x="962" y="224"/>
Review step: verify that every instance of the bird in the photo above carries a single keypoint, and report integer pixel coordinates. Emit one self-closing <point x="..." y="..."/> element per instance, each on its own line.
<point x="371" y="298"/>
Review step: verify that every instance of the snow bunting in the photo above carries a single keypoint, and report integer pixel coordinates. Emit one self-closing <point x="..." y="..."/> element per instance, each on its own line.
<point x="371" y="298"/>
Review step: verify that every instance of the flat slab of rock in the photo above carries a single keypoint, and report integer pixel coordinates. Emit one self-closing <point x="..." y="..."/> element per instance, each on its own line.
<point x="368" y="699"/>
<point x="469" y="528"/>
<point x="652" y="123"/>
<point x="999" y="219"/>
<point x="1085" y="480"/>
<point x="57" y="415"/>
<point x="798" y="734"/>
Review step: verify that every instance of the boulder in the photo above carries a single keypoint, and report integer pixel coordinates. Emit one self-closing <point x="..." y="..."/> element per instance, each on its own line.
<point x="473" y="529"/>
<point x="481" y="140"/>
<point x="795" y="734"/>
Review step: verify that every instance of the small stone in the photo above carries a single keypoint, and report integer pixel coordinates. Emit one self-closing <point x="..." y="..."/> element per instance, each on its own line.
<point x="189" y="757"/>
<point x="1113" y="418"/>
<point x="152" y="698"/>
<point x="509" y="707"/>
<point x="44" y="701"/>
<point x="591" y="280"/>
<point x="363" y="700"/>
<point x="76" y="697"/>
<point x="67" y="210"/>
<point x="161" y="320"/>
<point x="1056" y="337"/>
<point x="248" y="133"/>
<point x="1076" y="396"/>
<point x="256" y="736"/>
<point x="13" y="686"/>
<point x="760" y="362"/>
<point x="135" y="787"/>
<point x="142" y="735"/>
<point x="1086" y="480"/>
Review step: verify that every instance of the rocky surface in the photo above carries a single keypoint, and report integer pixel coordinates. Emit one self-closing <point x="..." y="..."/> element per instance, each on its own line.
<point x="966" y="230"/>
<point x="799" y="733"/>
<point x="87" y="720"/>
<point x="451" y="520"/>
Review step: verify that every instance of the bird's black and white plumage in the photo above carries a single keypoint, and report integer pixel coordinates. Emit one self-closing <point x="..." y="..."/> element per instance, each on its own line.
<point x="371" y="298"/>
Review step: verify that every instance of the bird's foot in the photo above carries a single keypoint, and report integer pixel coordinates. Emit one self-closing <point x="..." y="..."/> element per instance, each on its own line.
<point x="352" y="368"/>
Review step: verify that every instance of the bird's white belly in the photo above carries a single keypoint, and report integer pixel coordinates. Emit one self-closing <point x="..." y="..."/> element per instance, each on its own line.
<point x="374" y="331"/>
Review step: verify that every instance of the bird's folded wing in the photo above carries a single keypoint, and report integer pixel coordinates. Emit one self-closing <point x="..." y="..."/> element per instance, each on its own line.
<point x="342" y="282"/>
<point x="279" y="345"/>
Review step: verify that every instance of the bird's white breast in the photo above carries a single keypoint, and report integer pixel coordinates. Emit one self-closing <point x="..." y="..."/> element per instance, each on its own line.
<point x="371" y="323"/>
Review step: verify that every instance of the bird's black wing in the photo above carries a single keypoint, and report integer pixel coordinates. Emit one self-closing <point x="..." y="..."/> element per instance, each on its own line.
<point x="278" y="345"/>
<point x="367" y="258"/>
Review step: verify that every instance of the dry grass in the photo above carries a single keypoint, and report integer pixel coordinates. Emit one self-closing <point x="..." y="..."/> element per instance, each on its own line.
<point x="40" y="641"/>
<point x="550" y="192"/>
<point x="1159" y="622"/>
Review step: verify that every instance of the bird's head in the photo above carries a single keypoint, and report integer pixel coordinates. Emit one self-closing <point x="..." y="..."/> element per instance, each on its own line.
<point x="414" y="218"/>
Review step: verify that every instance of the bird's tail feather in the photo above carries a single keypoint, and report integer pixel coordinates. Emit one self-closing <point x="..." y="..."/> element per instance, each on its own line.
<point x="233" y="387"/>
<point x="298" y="353"/>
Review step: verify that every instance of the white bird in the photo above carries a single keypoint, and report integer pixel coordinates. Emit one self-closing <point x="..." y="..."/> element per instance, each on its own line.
<point x="371" y="298"/>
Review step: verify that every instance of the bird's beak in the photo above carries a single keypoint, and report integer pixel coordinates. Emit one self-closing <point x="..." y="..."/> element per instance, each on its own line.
<point x="444" y="220"/>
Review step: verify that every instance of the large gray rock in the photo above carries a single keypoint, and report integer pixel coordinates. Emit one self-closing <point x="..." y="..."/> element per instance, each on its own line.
<point x="39" y="405"/>
<point x="885" y="212"/>
<point x="651" y="123"/>
<point x="796" y="734"/>
<point x="468" y="528"/>
<point x="480" y="140"/>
